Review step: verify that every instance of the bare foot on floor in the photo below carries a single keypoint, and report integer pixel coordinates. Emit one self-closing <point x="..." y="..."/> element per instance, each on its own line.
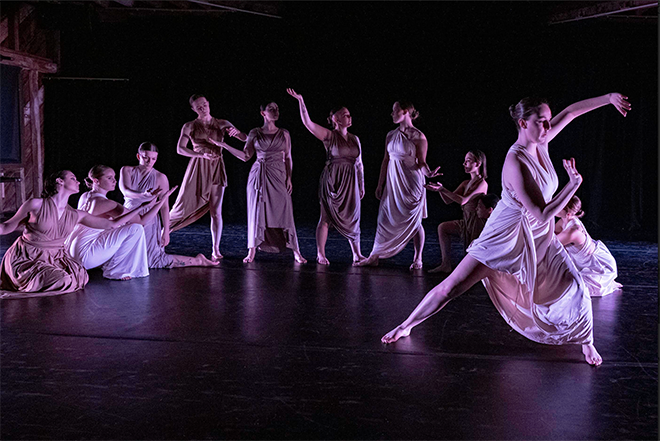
<point x="395" y="334"/>
<point x="591" y="355"/>
<point x="370" y="261"/>
<point x="250" y="257"/>
<point x="321" y="260"/>
<point x="441" y="269"/>
<point x="126" y="278"/>
<point x="215" y="257"/>
<point x="203" y="261"/>
<point x="416" y="265"/>
<point x="299" y="258"/>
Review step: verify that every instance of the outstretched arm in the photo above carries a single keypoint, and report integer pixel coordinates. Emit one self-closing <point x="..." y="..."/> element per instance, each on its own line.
<point x="516" y="175"/>
<point x="459" y="195"/>
<point x="567" y="115"/>
<point x="31" y="205"/>
<point x="320" y="132"/>
<point x="245" y="154"/>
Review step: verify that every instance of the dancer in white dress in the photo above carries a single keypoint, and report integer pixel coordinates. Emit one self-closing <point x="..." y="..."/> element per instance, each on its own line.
<point x="527" y="273"/>
<point x="467" y="194"/>
<point x="591" y="257"/>
<point x="401" y="189"/>
<point x="140" y="183"/>
<point x="270" y="225"/>
<point x="120" y="252"/>
<point x="341" y="185"/>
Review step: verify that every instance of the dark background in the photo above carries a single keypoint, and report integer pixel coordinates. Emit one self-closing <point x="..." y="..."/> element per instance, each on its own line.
<point x="461" y="63"/>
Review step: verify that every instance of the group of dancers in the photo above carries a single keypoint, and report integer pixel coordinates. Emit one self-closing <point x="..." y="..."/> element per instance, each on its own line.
<point x="539" y="274"/>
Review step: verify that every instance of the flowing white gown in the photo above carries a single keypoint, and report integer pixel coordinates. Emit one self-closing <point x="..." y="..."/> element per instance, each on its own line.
<point x="537" y="288"/>
<point x="403" y="202"/>
<point x="120" y="252"/>
<point x="595" y="263"/>
<point x="140" y="182"/>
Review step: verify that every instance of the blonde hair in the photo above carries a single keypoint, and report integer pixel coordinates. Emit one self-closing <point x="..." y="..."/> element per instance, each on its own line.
<point x="574" y="207"/>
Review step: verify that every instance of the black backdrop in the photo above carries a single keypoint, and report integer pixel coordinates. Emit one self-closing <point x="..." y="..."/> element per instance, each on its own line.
<point x="461" y="63"/>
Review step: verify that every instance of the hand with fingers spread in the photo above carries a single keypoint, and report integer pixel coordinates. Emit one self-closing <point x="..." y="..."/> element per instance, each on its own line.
<point x="294" y="94"/>
<point x="434" y="173"/>
<point x="619" y="101"/>
<point x="573" y="175"/>
<point x="434" y="186"/>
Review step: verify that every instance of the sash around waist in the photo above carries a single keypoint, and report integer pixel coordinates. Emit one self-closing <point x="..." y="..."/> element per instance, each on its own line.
<point x="45" y="245"/>
<point x="341" y="160"/>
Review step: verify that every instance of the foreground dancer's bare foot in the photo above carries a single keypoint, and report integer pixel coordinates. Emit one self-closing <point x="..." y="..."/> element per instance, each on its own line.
<point x="369" y="261"/>
<point x="250" y="257"/>
<point x="321" y="260"/>
<point x="395" y="334"/>
<point x="442" y="269"/>
<point x="416" y="265"/>
<point x="298" y="257"/>
<point x="591" y="355"/>
<point x="203" y="261"/>
<point x="216" y="256"/>
<point x="126" y="278"/>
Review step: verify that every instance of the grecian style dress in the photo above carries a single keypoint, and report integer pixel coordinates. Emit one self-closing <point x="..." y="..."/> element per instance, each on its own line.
<point x="537" y="288"/>
<point x="38" y="263"/>
<point x="120" y="252"/>
<point x="270" y="223"/>
<point x="403" y="202"/>
<point x="339" y="185"/>
<point x="471" y="225"/>
<point x="192" y="201"/>
<point x="595" y="263"/>
<point x="142" y="181"/>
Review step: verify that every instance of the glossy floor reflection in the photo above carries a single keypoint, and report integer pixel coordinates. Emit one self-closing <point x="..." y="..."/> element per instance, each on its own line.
<point x="277" y="350"/>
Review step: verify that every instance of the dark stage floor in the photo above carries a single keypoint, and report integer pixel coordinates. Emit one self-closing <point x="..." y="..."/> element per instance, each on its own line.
<point x="277" y="350"/>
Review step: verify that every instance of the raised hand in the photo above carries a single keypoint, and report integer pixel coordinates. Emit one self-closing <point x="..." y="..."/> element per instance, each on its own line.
<point x="294" y="94"/>
<point x="619" y="101"/>
<point x="573" y="175"/>
<point x="434" y="173"/>
<point x="433" y="186"/>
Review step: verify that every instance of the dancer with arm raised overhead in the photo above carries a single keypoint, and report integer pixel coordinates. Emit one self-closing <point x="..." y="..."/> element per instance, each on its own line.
<point x="341" y="186"/>
<point x="527" y="273"/>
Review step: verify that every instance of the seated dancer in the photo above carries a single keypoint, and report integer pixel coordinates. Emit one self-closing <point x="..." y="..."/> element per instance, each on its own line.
<point x="203" y="186"/>
<point x="270" y="224"/>
<point x="466" y="194"/>
<point x="140" y="183"/>
<point x="591" y="257"/>
<point x="38" y="264"/>
<point x="527" y="273"/>
<point x="341" y="186"/>
<point x="120" y="252"/>
<point x="401" y="189"/>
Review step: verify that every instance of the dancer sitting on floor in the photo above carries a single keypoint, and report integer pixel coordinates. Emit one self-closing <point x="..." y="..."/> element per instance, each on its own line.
<point x="591" y="257"/>
<point x="120" y="252"/>
<point x="527" y="273"/>
<point x="341" y="186"/>
<point x="401" y="189"/>
<point x="140" y="183"/>
<point x="270" y="225"/>
<point x="203" y="186"/>
<point x="37" y="263"/>
<point x="466" y="194"/>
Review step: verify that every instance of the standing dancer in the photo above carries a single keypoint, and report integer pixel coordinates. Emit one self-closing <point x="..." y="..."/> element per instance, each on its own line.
<point x="591" y="257"/>
<point x="270" y="224"/>
<point x="341" y="186"/>
<point x="38" y="263"/>
<point x="527" y="273"/>
<point x="121" y="252"/>
<point x="466" y="194"/>
<point x="140" y="183"/>
<point x="401" y="189"/>
<point x="203" y="186"/>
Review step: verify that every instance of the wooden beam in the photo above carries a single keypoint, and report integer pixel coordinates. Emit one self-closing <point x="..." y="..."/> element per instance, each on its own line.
<point x="27" y="61"/>
<point x="37" y="142"/>
<point x="601" y="9"/>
